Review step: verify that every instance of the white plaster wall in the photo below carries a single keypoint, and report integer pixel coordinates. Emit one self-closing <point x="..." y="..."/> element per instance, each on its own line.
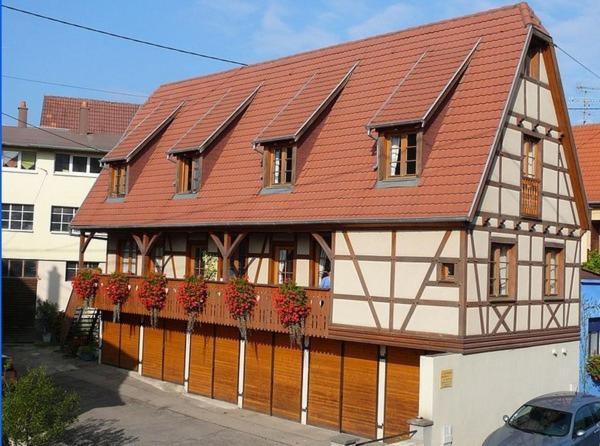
<point x="547" y="112"/>
<point x="487" y="386"/>
<point x="352" y="312"/>
<point x="490" y="200"/>
<point x="446" y="319"/>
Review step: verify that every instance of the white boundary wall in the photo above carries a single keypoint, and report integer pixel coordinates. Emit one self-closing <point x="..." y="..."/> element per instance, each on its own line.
<point x="486" y="386"/>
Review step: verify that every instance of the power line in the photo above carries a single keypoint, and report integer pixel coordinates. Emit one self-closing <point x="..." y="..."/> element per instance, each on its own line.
<point x="578" y="62"/>
<point x="55" y="134"/>
<point x="120" y="36"/>
<point x="37" y="81"/>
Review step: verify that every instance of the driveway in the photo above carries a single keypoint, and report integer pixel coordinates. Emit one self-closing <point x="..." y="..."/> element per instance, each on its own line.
<point x="122" y="408"/>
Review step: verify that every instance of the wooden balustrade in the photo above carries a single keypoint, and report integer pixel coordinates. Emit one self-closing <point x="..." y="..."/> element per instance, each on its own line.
<point x="215" y="311"/>
<point x="530" y="197"/>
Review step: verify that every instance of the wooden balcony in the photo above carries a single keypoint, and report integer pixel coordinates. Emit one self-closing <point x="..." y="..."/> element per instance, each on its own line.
<point x="530" y="197"/>
<point x="215" y="311"/>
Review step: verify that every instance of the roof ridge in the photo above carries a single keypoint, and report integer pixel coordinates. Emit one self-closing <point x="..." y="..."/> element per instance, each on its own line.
<point x="356" y="41"/>
<point x="77" y="98"/>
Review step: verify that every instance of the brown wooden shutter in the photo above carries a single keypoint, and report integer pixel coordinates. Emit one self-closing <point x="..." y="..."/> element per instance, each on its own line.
<point x="174" y="351"/>
<point x="381" y="156"/>
<point x="227" y="351"/>
<point x="201" y="360"/>
<point x="287" y="378"/>
<point x="130" y="338"/>
<point x="111" y="334"/>
<point x="152" y="360"/>
<point x="402" y="389"/>
<point x="324" y="383"/>
<point x="258" y="372"/>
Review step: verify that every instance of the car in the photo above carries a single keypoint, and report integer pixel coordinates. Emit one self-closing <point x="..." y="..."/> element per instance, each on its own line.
<point x="555" y="419"/>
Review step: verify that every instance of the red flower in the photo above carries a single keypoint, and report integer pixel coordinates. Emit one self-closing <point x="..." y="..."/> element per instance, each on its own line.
<point x="85" y="283"/>
<point x="153" y="293"/>
<point x="117" y="288"/>
<point x="291" y="304"/>
<point x="240" y="298"/>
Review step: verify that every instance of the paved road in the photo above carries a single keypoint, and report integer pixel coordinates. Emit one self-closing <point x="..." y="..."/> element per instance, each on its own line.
<point x="120" y="408"/>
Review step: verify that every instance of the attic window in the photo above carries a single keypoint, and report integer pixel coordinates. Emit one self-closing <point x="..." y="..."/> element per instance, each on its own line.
<point x="118" y="181"/>
<point x="279" y="166"/>
<point x="188" y="174"/>
<point x="532" y="67"/>
<point x="400" y="156"/>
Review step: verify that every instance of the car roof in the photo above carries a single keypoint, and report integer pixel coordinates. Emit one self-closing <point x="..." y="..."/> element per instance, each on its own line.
<point x="564" y="401"/>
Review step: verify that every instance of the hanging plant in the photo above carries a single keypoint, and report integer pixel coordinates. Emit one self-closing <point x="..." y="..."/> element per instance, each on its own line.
<point x="291" y="304"/>
<point x="592" y="366"/>
<point x="240" y="299"/>
<point x="153" y="294"/>
<point x="192" y="296"/>
<point x="117" y="291"/>
<point x="85" y="284"/>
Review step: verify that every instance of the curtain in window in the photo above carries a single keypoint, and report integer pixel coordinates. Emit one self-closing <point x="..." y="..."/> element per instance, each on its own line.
<point x="394" y="156"/>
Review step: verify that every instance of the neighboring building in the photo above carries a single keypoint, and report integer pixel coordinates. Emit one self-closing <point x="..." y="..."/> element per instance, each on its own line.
<point x="587" y="138"/>
<point x="46" y="174"/>
<point x="590" y="330"/>
<point x="427" y="169"/>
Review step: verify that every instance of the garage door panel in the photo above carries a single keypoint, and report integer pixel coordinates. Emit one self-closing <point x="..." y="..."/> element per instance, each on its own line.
<point x="258" y="372"/>
<point x="201" y="360"/>
<point x="359" y="389"/>
<point x="130" y="337"/>
<point x="324" y="383"/>
<point x="111" y="334"/>
<point x="152" y="359"/>
<point x="287" y="378"/>
<point x="402" y="389"/>
<point x="227" y="351"/>
<point x="174" y="351"/>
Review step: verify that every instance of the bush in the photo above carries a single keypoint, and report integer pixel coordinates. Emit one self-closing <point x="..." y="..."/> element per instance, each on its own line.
<point x="35" y="411"/>
<point x="593" y="262"/>
<point x="46" y="316"/>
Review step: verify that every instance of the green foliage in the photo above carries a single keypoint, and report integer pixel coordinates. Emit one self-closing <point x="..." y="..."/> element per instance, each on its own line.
<point x="35" y="411"/>
<point x="593" y="262"/>
<point x="593" y="366"/>
<point x="46" y="315"/>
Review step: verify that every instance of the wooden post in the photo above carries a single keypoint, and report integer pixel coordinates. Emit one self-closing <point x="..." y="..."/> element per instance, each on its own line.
<point x="81" y="249"/>
<point x="226" y="255"/>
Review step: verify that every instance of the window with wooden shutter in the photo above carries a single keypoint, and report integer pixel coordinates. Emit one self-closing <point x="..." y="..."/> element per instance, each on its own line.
<point x="531" y="177"/>
<point x="118" y="181"/>
<point x="502" y="271"/>
<point x="282" y="263"/>
<point x="279" y="166"/>
<point x="399" y="155"/>
<point x="188" y="174"/>
<point x="553" y="272"/>
<point x="532" y="64"/>
<point x="127" y="254"/>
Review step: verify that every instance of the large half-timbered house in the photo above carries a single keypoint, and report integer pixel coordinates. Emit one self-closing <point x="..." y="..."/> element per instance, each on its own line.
<point x="432" y="171"/>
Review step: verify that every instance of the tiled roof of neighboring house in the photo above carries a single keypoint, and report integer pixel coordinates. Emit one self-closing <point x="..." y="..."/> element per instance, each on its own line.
<point x="104" y="116"/>
<point x="587" y="138"/>
<point x="57" y="139"/>
<point x="336" y="181"/>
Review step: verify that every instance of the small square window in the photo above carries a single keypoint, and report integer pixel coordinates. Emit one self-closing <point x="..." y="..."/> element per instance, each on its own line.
<point x="80" y="164"/>
<point x="62" y="162"/>
<point x="279" y="166"/>
<point x="399" y="155"/>
<point x="446" y="272"/>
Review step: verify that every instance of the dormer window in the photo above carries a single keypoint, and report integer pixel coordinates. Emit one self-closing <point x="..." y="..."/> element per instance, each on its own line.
<point x="279" y="163"/>
<point x="118" y="181"/>
<point x="400" y="156"/>
<point x="188" y="174"/>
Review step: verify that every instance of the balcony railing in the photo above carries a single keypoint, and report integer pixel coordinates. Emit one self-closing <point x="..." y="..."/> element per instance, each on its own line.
<point x="530" y="197"/>
<point x="215" y="311"/>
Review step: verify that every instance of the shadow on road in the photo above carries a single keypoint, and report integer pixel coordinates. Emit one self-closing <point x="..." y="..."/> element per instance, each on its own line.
<point x="98" y="433"/>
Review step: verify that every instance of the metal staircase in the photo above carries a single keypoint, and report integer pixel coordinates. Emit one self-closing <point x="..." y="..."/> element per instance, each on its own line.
<point x="83" y="329"/>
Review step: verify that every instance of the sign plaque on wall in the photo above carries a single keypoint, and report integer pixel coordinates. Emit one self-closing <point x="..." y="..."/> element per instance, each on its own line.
<point x="446" y="376"/>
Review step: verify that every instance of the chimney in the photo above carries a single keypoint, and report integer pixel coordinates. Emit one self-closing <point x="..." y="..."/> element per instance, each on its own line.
<point x="22" y="114"/>
<point x="84" y="118"/>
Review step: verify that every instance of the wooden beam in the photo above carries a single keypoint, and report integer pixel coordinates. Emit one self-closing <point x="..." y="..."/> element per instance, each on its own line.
<point x="215" y="238"/>
<point x="83" y="244"/>
<point x="323" y="244"/>
<point x="239" y="238"/>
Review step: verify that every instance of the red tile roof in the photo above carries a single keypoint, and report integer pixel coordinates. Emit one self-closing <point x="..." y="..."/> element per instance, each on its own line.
<point x="104" y="116"/>
<point x="587" y="139"/>
<point x="335" y="177"/>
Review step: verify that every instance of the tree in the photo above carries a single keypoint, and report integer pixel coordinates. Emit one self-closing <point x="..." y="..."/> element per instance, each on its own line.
<point x="35" y="411"/>
<point x="593" y="262"/>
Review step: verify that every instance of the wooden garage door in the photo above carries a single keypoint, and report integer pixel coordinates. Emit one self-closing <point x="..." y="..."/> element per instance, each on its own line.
<point x="130" y="338"/>
<point x="227" y="351"/>
<point x="287" y="378"/>
<point x="174" y="351"/>
<point x="152" y="358"/>
<point x="111" y="334"/>
<point x="258" y="371"/>
<point x="201" y="360"/>
<point x="324" y="383"/>
<point x="402" y="389"/>
<point x="359" y="389"/>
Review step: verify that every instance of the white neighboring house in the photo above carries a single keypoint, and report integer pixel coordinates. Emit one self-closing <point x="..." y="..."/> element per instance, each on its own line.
<point x="46" y="174"/>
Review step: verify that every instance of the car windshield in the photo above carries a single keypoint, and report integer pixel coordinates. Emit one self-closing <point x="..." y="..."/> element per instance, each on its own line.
<point x="541" y="420"/>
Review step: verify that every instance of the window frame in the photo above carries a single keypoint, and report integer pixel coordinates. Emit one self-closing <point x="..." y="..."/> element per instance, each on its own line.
<point x="593" y="335"/>
<point x="188" y="174"/>
<point x="533" y="63"/>
<point x="191" y="260"/>
<point x="559" y="252"/>
<point x="443" y="273"/>
<point x="117" y="182"/>
<point x="131" y="247"/>
<point x="384" y="154"/>
<point x="268" y="166"/>
<point x="318" y="255"/>
<point x="22" y="221"/>
<point x="276" y="248"/>
<point x="20" y="167"/>
<point x="75" y="268"/>
<point x="534" y="177"/>
<point x="52" y="214"/>
<point x="6" y="268"/>
<point x="494" y="269"/>
<point x="71" y="171"/>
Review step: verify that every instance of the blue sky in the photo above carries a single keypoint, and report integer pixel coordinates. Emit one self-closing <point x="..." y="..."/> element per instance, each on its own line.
<point x="244" y="30"/>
